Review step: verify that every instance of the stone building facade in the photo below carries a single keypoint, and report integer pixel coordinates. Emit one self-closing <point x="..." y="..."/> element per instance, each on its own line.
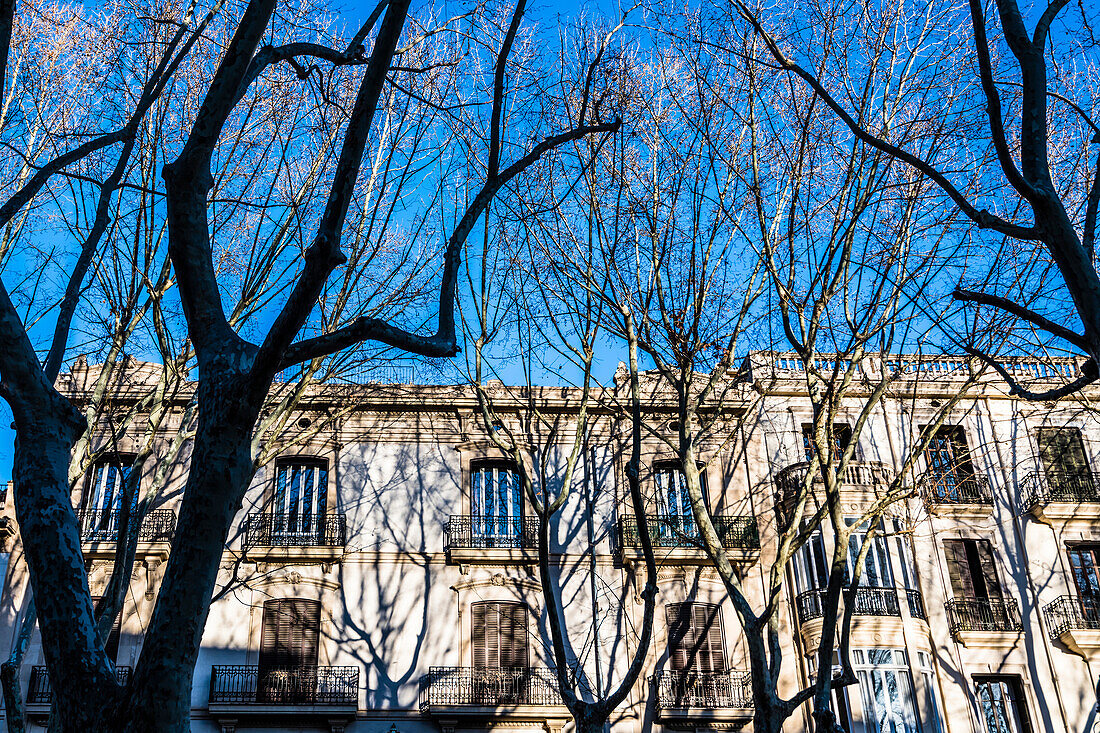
<point x="382" y="575"/>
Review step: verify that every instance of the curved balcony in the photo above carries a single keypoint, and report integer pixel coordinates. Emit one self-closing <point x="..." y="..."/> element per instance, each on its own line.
<point x="860" y="480"/>
<point x="715" y="697"/>
<point x="676" y="540"/>
<point x="869" y="601"/>
<point x="1060" y="495"/>
<point x="984" y="621"/>
<point x="1074" y="622"/>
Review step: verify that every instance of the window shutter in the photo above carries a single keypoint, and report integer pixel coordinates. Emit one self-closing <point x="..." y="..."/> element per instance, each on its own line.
<point x="708" y="634"/>
<point x="513" y="637"/>
<point x="477" y="621"/>
<point x="113" y="639"/>
<point x="695" y="637"/>
<point x="677" y="616"/>
<point x="1061" y="449"/>
<point x="499" y="635"/>
<point x="291" y="633"/>
<point x="958" y="568"/>
<point x="988" y="569"/>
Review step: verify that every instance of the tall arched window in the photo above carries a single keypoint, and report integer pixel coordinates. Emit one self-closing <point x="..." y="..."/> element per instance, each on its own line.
<point x="290" y="637"/>
<point x="496" y="503"/>
<point x="300" y="498"/>
<point x="101" y="507"/>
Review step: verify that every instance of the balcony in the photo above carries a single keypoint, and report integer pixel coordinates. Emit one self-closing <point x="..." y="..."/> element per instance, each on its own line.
<point x="985" y="622"/>
<point x="472" y="540"/>
<point x="876" y="611"/>
<point x="712" y="697"/>
<point x="524" y="693"/>
<point x="1074" y="622"/>
<point x="99" y="532"/>
<point x="869" y="602"/>
<point x="40" y="694"/>
<point x="1058" y="496"/>
<point x="286" y="691"/>
<point x="861" y="482"/>
<point x="676" y="540"/>
<point x="294" y="537"/>
<point x="957" y="495"/>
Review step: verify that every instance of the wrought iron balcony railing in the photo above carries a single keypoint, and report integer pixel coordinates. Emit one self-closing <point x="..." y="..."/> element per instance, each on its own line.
<point x="102" y="526"/>
<point x="1044" y="487"/>
<point x="305" y="685"/>
<point x="473" y="532"/>
<point x="983" y="614"/>
<point x="40" y="692"/>
<point x="469" y="686"/>
<point x="736" y="532"/>
<point x="1068" y="613"/>
<point x="295" y="530"/>
<point x="870" y="601"/>
<point x="707" y="690"/>
<point x="956" y="488"/>
<point x="915" y="601"/>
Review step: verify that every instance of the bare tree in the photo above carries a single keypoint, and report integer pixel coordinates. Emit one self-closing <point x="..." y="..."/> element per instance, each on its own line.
<point x="235" y="373"/>
<point x="992" y="172"/>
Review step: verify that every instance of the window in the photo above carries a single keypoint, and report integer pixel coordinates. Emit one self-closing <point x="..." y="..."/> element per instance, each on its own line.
<point x="102" y="501"/>
<point x="972" y="569"/>
<point x="886" y="686"/>
<point x="949" y="465"/>
<point x="695" y="637"/>
<point x="810" y="567"/>
<point x="1085" y="562"/>
<point x="931" y="704"/>
<point x="889" y="560"/>
<point x="289" y="642"/>
<point x="499" y="635"/>
<point x="496" y="503"/>
<point x="1062" y="455"/>
<point x="672" y="497"/>
<point x="1001" y="700"/>
<point x="299" y="500"/>
<point x="841" y="439"/>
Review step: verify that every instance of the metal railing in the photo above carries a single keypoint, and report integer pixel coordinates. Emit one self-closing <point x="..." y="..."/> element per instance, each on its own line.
<point x="295" y="530"/>
<point x="464" y="531"/>
<point x="915" y="602"/>
<point x="159" y="525"/>
<point x="40" y="693"/>
<point x="1071" y="612"/>
<point x="736" y="532"/>
<point x="983" y="614"/>
<point x="469" y="686"/>
<point x="1044" y="487"/>
<point x="956" y="488"/>
<point x="304" y="685"/>
<point x="707" y="690"/>
<point x="869" y="601"/>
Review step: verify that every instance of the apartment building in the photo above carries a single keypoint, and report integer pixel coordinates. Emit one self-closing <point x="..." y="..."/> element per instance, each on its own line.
<point x="382" y="574"/>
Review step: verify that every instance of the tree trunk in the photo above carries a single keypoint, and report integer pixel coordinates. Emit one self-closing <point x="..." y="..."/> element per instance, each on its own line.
<point x="221" y="469"/>
<point x="81" y="675"/>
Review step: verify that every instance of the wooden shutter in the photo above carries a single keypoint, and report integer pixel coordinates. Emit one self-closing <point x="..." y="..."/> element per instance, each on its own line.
<point x="988" y="569"/>
<point x="291" y="633"/>
<point x="695" y="637"/>
<point x="1061" y="451"/>
<point x="499" y="635"/>
<point x="958" y="567"/>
